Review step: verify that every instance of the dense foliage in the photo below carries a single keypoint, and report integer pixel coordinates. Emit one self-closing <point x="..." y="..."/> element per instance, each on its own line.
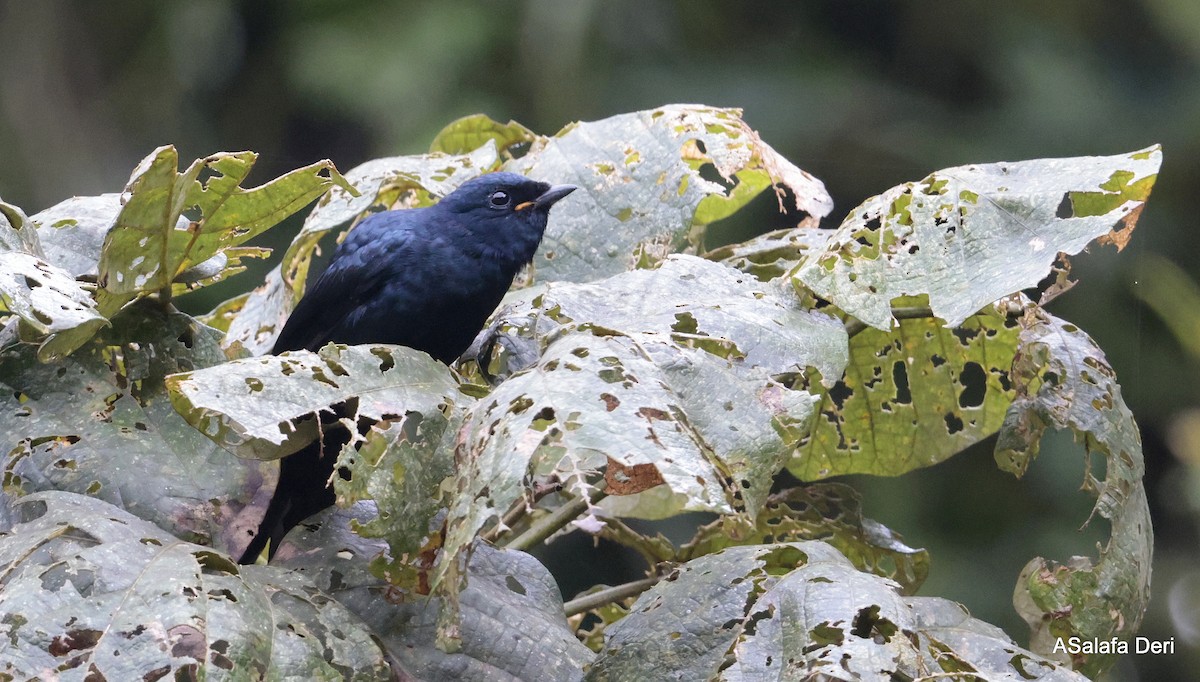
<point x="634" y="374"/>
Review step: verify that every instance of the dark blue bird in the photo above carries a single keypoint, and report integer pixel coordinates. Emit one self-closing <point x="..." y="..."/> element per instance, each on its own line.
<point x="426" y="278"/>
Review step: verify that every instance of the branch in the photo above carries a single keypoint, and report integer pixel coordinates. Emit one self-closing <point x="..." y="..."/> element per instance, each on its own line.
<point x="609" y="595"/>
<point x="556" y="520"/>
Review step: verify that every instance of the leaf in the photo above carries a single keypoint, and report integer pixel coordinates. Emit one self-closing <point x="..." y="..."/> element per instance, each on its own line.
<point x="512" y="625"/>
<point x="797" y="611"/>
<point x="17" y="233"/>
<point x="970" y="235"/>
<point x="1063" y="381"/>
<point x="92" y="589"/>
<point x="643" y="370"/>
<point x="152" y="242"/>
<point x="49" y="301"/>
<point x="99" y="423"/>
<point x="254" y="321"/>
<point x="469" y="133"/>
<point x="641" y="194"/>
<point x="73" y="231"/>
<point x="831" y="512"/>
<point x="911" y="397"/>
<point x="401" y="465"/>
<point x="630" y="372"/>
<point x="253" y="406"/>
<point x="773" y="254"/>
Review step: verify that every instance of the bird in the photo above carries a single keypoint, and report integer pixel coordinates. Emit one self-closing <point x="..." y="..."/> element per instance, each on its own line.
<point x="427" y="278"/>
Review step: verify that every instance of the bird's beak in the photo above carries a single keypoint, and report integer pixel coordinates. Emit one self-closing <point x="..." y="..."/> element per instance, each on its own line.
<point x="547" y="199"/>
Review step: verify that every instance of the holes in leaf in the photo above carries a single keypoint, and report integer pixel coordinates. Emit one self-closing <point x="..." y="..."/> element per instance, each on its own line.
<point x="1065" y="208"/>
<point x="839" y="393"/>
<point x="685" y="323"/>
<point x="386" y="361"/>
<point x="953" y="423"/>
<point x="974" y="385"/>
<point x="514" y="585"/>
<point x="900" y="378"/>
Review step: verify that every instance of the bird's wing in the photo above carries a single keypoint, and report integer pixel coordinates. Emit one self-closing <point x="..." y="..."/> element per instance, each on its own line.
<point x="358" y="269"/>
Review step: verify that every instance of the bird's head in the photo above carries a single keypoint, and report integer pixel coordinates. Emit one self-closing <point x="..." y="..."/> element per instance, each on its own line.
<point x="499" y="207"/>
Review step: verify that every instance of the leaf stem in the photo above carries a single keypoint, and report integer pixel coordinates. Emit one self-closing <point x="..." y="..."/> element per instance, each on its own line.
<point x="550" y="524"/>
<point x="519" y="510"/>
<point x="609" y="595"/>
<point x="854" y="325"/>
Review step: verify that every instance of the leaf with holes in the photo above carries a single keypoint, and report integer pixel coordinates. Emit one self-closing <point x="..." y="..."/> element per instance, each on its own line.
<point x="1063" y="381"/>
<point x="831" y="512"/>
<point x="795" y="611"/>
<point x="73" y="231"/>
<point x="401" y="465"/>
<point x="512" y="624"/>
<point x="152" y="241"/>
<point x="17" y="232"/>
<point x="100" y="423"/>
<point x="90" y="588"/>
<point x="254" y="320"/>
<point x="912" y="397"/>
<point x="971" y="235"/>
<point x="254" y="406"/>
<point x="773" y="254"/>
<point x="470" y="133"/>
<point x="52" y="306"/>
<point x="642" y="195"/>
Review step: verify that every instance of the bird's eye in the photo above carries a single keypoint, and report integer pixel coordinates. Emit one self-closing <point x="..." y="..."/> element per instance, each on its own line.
<point x="499" y="199"/>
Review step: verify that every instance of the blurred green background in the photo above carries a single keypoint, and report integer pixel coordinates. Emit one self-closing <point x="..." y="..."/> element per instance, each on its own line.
<point x="864" y="95"/>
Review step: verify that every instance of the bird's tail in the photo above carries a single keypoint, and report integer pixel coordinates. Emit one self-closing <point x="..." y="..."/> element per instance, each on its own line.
<point x="304" y="489"/>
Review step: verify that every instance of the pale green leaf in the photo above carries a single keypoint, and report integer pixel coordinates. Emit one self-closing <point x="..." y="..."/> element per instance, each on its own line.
<point x="512" y="625"/>
<point x="92" y="591"/>
<point x="801" y="611"/>
<point x="99" y="423"/>
<point x="641" y="194"/>
<point x="773" y="254"/>
<point x="50" y="301"/>
<point x="72" y="231"/>
<point x="823" y="511"/>
<point x="971" y="235"/>
<point x="254" y="406"/>
<point x="1063" y="381"/>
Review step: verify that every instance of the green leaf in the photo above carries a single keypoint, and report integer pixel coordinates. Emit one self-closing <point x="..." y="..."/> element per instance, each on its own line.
<point x="911" y="397"/>
<point x="99" y="423"/>
<point x="512" y="625"/>
<point x="255" y="320"/>
<point x="152" y="242"/>
<point x="1063" y="381"/>
<point x="92" y="590"/>
<point x="800" y="610"/>
<point x="971" y="235"/>
<point x="472" y="132"/>
<point x="826" y="511"/>
<point x="401" y="465"/>
<point x="641" y="194"/>
<point x="254" y="406"/>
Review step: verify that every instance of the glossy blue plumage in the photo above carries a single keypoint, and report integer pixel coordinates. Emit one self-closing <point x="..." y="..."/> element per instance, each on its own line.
<point x="426" y="278"/>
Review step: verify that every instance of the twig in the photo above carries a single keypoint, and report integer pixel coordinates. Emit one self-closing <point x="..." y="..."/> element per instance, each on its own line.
<point x="517" y="512"/>
<point x="609" y="595"/>
<point x="550" y="524"/>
